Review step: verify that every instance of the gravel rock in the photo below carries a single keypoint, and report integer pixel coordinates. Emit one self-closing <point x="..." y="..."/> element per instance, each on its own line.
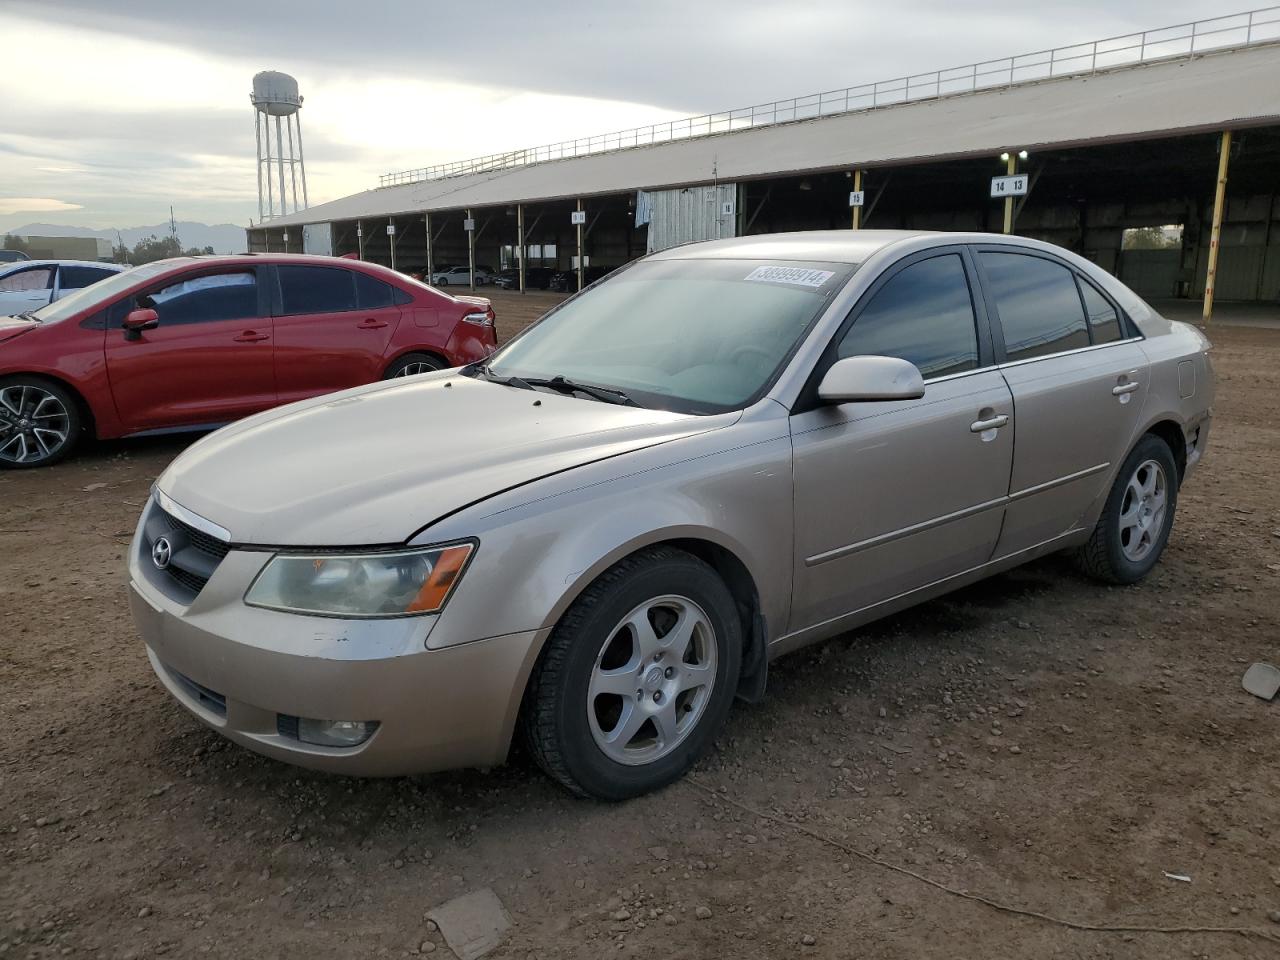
<point x="703" y="913"/>
<point x="808" y="940"/>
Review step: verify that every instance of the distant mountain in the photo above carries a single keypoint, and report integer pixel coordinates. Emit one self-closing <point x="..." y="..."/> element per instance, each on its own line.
<point x="223" y="237"/>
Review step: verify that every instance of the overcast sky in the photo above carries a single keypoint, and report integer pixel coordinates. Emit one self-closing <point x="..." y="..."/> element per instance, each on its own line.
<point x="112" y="111"/>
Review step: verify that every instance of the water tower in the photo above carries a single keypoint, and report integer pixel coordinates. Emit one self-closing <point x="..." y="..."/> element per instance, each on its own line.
<point x="275" y="97"/>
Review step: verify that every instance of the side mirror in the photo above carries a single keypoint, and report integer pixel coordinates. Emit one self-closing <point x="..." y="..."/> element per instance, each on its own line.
<point x="136" y="321"/>
<point x="871" y="378"/>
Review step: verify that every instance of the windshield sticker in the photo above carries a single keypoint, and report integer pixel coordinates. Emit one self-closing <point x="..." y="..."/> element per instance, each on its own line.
<point x="799" y="276"/>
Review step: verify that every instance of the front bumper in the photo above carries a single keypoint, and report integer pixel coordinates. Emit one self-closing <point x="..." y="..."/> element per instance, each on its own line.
<point x="246" y="672"/>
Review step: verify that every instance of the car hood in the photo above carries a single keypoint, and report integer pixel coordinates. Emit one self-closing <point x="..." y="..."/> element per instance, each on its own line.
<point x="376" y="464"/>
<point x="11" y="327"/>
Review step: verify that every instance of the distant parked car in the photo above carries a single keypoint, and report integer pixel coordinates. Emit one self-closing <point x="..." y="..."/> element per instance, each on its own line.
<point x="566" y="281"/>
<point x="12" y="256"/>
<point x="460" y="276"/>
<point x="31" y="284"/>
<point x="196" y="342"/>
<point x="535" y="278"/>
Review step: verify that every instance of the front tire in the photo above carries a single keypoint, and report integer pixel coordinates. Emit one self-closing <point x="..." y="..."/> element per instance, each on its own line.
<point x="637" y="677"/>
<point x="40" y="422"/>
<point x="1135" y="524"/>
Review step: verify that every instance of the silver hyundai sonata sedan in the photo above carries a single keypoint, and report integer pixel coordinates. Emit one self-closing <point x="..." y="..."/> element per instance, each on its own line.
<point x="603" y="535"/>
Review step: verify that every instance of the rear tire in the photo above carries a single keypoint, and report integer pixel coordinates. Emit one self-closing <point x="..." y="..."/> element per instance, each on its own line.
<point x="412" y="364"/>
<point x="40" y="422"/>
<point x="637" y="678"/>
<point x="1138" y="516"/>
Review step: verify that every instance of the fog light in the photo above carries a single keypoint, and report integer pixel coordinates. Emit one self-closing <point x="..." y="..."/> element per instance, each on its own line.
<point x="335" y="733"/>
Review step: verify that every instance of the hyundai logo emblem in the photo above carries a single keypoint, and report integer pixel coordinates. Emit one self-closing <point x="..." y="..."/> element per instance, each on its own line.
<point x="161" y="552"/>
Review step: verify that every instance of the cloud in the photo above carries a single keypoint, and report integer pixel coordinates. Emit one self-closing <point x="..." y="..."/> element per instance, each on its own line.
<point x="10" y="205"/>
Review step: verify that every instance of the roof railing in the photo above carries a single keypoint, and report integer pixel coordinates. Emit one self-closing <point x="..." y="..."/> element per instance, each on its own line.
<point x="1164" y="43"/>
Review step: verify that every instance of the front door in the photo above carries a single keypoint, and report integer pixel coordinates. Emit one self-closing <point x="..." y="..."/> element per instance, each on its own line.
<point x="891" y="496"/>
<point x="332" y="330"/>
<point x="209" y="360"/>
<point x="1078" y="383"/>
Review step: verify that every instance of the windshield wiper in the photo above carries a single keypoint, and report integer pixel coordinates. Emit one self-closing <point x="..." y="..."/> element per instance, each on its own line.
<point x="29" y="316"/>
<point x="565" y="385"/>
<point x="482" y="370"/>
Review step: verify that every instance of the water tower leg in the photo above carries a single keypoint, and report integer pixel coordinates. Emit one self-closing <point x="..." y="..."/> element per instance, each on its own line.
<point x="293" y="161"/>
<point x="271" y="203"/>
<point x="297" y="119"/>
<point x="280" y="164"/>
<point x="257" y="132"/>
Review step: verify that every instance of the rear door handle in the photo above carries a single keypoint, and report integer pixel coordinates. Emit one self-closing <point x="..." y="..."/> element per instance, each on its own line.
<point x="995" y="423"/>
<point x="250" y="336"/>
<point x="371" y="324"/>
<point x="1120" y="389"/>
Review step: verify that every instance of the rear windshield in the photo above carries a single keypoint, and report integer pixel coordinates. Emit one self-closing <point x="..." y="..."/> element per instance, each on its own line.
<point x="695" y="336"/>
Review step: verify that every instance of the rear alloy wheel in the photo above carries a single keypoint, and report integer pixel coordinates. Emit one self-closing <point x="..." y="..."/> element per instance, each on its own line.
<point x="39" y="423"/>
<point x="637" y="677"/>
<point x="412" y="364"/>
<point x="1138" y="516"/>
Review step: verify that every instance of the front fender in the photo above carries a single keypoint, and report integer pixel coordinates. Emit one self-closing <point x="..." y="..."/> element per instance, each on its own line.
<point x="541" y="545"/>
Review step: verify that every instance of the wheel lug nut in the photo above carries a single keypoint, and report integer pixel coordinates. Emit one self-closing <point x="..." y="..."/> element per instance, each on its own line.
<point x="670" y="672"/>
<point x="657" y="696"/>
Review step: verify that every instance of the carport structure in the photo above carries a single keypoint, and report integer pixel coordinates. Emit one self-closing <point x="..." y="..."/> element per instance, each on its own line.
<point x="1111" y="135"/>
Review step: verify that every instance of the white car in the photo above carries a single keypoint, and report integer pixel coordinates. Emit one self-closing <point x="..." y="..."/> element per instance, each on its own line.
<point x="31" y="284"/>
<point x="460" y="277"/>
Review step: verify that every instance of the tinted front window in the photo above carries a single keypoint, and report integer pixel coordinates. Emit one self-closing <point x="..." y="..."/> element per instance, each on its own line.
<point x="1039" y="307"/>
<point x="35" y="278"/>
<point x="1104" y="322"/>
<point x="205" y="299"/>
<point x="699" y="336"/>
<point x="73" y="278"/>
<point x="924" y="314"/>
<point x="316" y="290"/>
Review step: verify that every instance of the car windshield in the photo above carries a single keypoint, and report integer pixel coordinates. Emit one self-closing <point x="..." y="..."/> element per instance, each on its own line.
<point x="100" y="292"/>
<point x="694" y="336"/>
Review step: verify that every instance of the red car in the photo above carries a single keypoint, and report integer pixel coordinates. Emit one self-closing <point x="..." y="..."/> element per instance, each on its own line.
<point x="196" y="342"/>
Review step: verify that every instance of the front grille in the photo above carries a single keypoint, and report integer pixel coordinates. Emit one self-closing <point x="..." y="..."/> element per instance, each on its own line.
<point x="198" y="539"/>
<point x="193" y="556"/>
<point x="210" y="699"/>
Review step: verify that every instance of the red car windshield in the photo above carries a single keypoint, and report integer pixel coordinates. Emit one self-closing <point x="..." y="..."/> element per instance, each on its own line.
<point x="100" y="292"/>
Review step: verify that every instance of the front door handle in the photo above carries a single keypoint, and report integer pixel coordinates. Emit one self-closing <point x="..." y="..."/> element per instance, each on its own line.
<point x="994" y="423"/>
<point x="371" y="324"/>
<point x="250" y="336"/>
<point x="1120" y="389"/>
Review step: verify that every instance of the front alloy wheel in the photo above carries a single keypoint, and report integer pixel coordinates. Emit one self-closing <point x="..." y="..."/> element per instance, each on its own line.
<point x="39" y="423"/>
<point x="636" y="678"/>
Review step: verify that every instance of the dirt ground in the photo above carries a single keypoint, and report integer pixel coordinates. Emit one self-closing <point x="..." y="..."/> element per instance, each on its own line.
<point x="1038" y="741"/>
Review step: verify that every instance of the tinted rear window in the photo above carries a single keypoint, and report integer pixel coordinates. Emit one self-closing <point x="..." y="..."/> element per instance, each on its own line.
<point x="1039" y="307"/>
<point x="316" y="290"/>
<point x="372" y="293"/>
<point x="73" y="278"/>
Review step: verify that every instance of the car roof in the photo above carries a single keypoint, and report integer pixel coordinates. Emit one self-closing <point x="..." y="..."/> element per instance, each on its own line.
<point x="65" y="263"/>
<point x="832" y="246"/>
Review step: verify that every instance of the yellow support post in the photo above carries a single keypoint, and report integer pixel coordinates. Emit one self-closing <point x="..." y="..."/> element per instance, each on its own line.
<point x="1215" y="238"/>
<point x="857" y="211"/>
<point x="1012" y="168"/>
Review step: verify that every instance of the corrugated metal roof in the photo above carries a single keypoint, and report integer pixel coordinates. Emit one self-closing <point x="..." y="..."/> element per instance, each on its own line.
<point x="1228" y="89"/>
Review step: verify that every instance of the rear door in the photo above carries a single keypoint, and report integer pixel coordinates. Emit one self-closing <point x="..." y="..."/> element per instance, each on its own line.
<point x="892" y="496"/>
<point x="1078" y="380"/>
<point x="333" y="327"/>
<point x="207" y="362"/>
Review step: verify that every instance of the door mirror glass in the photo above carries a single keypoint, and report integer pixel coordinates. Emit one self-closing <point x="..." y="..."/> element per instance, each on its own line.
<point x="871" y="378"/>
<point x="136" y="321"/>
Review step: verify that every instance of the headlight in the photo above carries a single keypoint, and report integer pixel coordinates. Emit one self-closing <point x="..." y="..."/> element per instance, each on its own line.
<point x="402" y="584"/>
